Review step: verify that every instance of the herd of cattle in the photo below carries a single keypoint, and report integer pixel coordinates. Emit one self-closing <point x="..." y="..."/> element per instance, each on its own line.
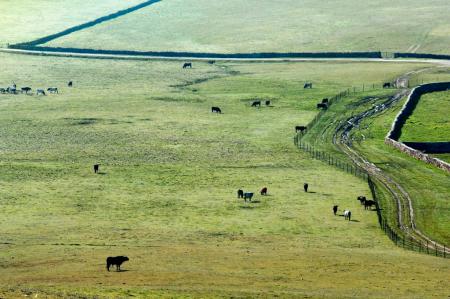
<point x="28" y="90"/>
<point x="347" y="213"/>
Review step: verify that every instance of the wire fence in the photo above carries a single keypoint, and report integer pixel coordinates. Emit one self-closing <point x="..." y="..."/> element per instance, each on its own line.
<point x="350" y="168"/>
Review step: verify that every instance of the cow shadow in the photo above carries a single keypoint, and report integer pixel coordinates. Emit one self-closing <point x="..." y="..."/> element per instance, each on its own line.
<point x="255" y="201"/>
<point x="353" y="220"/>
<point x="247" y="207"/>
<point x="101" y="173"/>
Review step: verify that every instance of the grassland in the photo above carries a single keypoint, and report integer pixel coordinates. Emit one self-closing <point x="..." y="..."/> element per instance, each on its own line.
<point x="166" y="193"/>
<point x="430" y="120"/>
<point x="274" y="26"/>
<point x="26" y="20"/>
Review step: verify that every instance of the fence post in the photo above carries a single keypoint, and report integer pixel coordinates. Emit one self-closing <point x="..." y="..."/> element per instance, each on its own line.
<point x="427" y="247"/>
<point x="444" y="251"/>
<point x="435" y="247"/>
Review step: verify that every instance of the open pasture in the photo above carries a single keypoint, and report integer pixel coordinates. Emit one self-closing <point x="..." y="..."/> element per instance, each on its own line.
<point x="25" y="20"/>
<point x="274" y="26"/>
<point x="166" y="192"/>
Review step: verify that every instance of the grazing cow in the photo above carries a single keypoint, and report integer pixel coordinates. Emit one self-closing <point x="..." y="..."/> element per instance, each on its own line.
<point x="70" y="84"/>
<point x="25" y="89"/>
<point x="267" y="103"/>
<point x="325" y="101"/>
<point x="300" y="128"/>
<point x="307" y="85"/>
<point x="216" y="110"/>
<point x="347" y="215"/>
<point x="335" y="208"/>
<point x="264" y="191"/>
<point x="322" y="106"/>
<point x="305" y="187"/>
<point x="240" y="193"/>
<point x="368" y="204"/>
<point x="248" y="195"/>
<point x="187" y="65"/>
<point x="256" y="104"/>
<point x="211" y="61"/>
<point x="52" y="90"/>
<point x="40" y="92"/>
<point x="387" y="85"/>
<point x="116" y="260"/>
<point x="361" y="199"/>
<point x="2" y="90"/>
<point x="96" y="168"/>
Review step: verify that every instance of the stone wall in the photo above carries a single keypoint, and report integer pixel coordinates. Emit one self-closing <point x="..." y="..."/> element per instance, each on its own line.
<point x="409" y="106"/>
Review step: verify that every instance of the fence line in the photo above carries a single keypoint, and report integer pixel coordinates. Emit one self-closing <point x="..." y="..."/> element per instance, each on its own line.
<point x="357" y="171"/>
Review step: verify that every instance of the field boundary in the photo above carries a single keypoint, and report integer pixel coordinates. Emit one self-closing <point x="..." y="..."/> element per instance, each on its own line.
<point x="393" y="136"/>
<point x="89" y="24"/>
<point x="421" y="55"/>
<point x="33" y="46"/>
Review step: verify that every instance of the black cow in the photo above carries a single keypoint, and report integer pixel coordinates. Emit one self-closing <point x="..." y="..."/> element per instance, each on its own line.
<point x="96" y="168"/>
<point x="300" y="128"/>
<point x="248" y="195"/>
<point x="387" y="85"/>
<point x="322" y="106"/>
<point x="325" y="101"/>
<point x="211" y="61"/>
<point x="264" y="191"/>
<point x="307" y="85"/>
<point x="52" y="90"/>
<point x="368" y="204"/>
<point x="216" y="110"/>
<point x="240" y="193"/>
<point x="305" y="187"/>
<point x="361" y="199"/>
<point x="256" y="104"/>
<point x="116" y="260"/>
<point x="267" y="103"/>
<point x="40" y="91"/>
<point x="187" y="65"/>
<point x="335" y="208"/>
<point x="70" y="84"/>
<point x="2" y="90"/>
<point x="25" y="89"/>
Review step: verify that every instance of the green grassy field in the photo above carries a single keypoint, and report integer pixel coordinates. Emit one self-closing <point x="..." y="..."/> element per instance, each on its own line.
<point x="430" y="120"/>
<point x="24" y="20"/>
<point x="166" y="193"/>
<point x="278" y="26"/>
